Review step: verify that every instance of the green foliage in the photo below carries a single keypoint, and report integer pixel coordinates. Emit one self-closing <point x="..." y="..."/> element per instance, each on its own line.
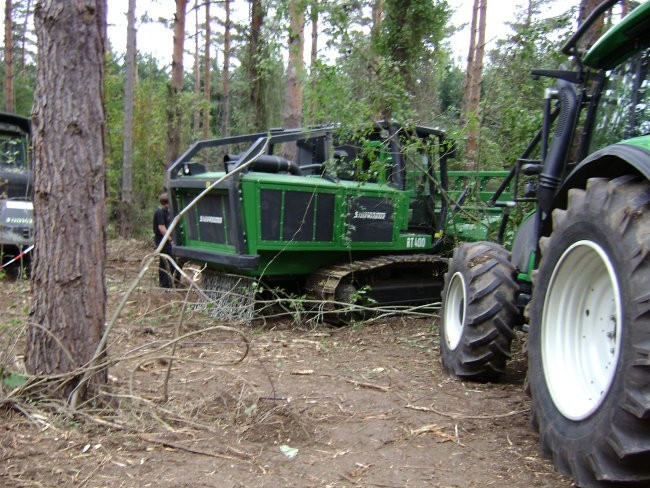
<point x="149" y="136"/>
<point x="395" y="73"/>
<point x="411" y="31"/>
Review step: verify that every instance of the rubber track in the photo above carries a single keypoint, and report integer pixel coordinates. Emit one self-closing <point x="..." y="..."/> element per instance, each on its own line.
<point x="322" y="284"/>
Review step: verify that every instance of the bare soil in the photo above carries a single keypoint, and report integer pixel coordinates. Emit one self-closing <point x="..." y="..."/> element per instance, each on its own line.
<point x="359" y="406"/>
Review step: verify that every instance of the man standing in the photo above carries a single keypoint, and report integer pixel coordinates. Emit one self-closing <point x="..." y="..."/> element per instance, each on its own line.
<point x="161" y="221"/>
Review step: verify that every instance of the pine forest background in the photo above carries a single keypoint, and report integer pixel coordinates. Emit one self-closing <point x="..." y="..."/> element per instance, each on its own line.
<point x="369" y="59"/>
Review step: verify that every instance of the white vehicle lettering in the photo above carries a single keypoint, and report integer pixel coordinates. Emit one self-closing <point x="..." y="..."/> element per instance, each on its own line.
<point x="369" y="215"/>
<point x="211" y="219"/>
<point x="418" y="242"/>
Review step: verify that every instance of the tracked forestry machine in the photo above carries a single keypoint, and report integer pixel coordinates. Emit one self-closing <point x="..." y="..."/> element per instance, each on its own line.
<point x="357" y="216"/>
<point x="578" y="275"/>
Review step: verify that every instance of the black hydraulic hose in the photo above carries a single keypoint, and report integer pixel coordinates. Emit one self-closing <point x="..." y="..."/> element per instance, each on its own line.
<point x="268" y="163"/>
<point x="555" y="162"/>
<point x="274" y="164"/>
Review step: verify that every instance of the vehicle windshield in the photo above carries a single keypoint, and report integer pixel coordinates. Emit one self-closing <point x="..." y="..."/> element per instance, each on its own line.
<point x="13" y="150"/>
<point x="624" y="107"/>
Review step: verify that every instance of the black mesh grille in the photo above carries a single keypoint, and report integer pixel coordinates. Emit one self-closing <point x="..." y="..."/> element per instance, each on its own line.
<point x="207" y="221"/>
<point x="297" y="216"/>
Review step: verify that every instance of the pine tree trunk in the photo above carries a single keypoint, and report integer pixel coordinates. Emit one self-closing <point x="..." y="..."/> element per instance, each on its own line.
<point x="126" y="200"/>
<point x="67" y="319"/>
<point x="207" y="88"/>
<point x="295" y="69"/>
<point x="225" y="87"/>
<point x="174" y="119"/>
<point x="9" y="58"/>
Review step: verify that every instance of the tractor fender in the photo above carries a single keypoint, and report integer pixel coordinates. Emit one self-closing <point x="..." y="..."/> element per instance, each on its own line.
<point x="610" y="162"/>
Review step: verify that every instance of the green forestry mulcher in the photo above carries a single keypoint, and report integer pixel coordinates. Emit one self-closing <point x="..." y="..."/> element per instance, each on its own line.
<point x="578" y="276"/>
<point x="360" y="215"/>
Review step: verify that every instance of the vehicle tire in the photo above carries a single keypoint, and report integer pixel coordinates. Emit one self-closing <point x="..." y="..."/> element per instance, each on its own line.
<point x="478" y="312"/>
<point x="589" y="343"/>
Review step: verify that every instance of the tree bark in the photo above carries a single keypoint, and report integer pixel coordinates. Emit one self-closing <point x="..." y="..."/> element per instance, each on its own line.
<point x="174" y="119"/>
<point x="126" y="199"/>
<point x="67" y="319"/>
<point x="225" y="86"/>
<point x="207" y="89"/>
<point x="9" y="58"/>
<point x="295" y="71"/>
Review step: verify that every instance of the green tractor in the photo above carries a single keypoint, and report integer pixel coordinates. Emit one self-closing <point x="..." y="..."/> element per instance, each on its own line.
<point x="350" y="219"/>
<point x="578" y="274"/>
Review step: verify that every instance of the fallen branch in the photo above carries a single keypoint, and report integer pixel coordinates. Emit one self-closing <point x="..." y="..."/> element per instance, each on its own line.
<point x="369" y="385"/>
<point x="230" y="453"/>
<point x="459" y="416"/>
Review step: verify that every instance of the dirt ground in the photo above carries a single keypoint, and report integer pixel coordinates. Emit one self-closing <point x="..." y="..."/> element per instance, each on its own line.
<point x="366" y="405"/>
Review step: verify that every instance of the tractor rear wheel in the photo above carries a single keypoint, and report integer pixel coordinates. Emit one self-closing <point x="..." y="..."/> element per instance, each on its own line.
<point x="589" y="343"/>
<point x="478" y="312"/>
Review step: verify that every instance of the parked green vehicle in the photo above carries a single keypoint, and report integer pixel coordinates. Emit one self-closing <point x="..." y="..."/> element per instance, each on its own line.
<point x="578" y="276"/>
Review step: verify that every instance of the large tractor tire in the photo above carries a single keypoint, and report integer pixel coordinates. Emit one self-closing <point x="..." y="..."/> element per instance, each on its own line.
<point x="478" y="312"/>
<point x="589" y="343"/>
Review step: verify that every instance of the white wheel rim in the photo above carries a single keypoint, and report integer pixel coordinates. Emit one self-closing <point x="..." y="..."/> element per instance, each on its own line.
<point x="455" y="304"/>
<point x="581" y="330"/>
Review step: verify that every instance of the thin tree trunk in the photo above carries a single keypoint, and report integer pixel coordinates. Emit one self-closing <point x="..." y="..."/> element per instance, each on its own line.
<point x="314" y="31"/>
<point x="475" y="88"/>
<point x="225" y="81"/>
<point x="254" y="77"/>
<point x="9" y="58"/>
<point x="23" y="39"/>
<point x="196" y="124"/>
<point x="174" y="122"/>
<point x="377" y="12"/>
<point x="126" y="203"/>
<point x="467" y="86"/>
<point x="295" y="70"/>
<point x="313" y="17"/>
<point x="69" y="305"/>
<point x="207" y="89"/>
